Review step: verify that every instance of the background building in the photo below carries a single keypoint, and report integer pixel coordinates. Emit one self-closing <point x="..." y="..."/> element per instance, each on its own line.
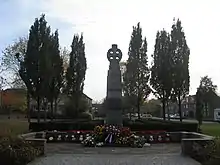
<point x="60" y="104"/>
<point x="189" y="106"/>
<point x="15" y="100"/>
<point x="122" y="68"/>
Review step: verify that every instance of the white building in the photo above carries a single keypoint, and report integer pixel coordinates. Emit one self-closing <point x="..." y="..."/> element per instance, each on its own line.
<point x="122" y="68"/>
<point x="217" y="114"/>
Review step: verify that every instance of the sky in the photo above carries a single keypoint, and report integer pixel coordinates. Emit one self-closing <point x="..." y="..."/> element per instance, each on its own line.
<point x="107" y="22"/>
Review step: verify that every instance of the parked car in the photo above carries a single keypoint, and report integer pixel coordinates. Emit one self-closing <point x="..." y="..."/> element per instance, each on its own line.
<point x="147" y="116"/>
<point x="172" y="116"/>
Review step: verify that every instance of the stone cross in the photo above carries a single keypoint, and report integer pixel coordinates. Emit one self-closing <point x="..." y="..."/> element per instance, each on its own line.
<point x="114" y="87"/>
<point x="114" y="54"/>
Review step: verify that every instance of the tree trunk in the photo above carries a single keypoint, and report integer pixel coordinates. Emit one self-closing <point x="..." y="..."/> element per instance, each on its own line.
<point x="9" y="112"/>
<point x="206" y="109"/>
<point x="168" y="111"/>
<point x="55" y="108"/>
<point x="28" y="107"/>
<point x="133" y="112"/>
<point x="164" y="108"/>
<point x="130" y="114"/>
<point x="51" y="109"/>
<point x="38" y="109"/>
<point x="45" y="111"/>
<point x="77" y="107"/>
<point x="138" y="108"/>
<point x="180" y="108"/>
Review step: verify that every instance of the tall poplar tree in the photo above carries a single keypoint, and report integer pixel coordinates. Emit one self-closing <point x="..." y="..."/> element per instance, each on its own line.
<point x="180" y="59"/>
<point x="76" y="71"/>
<point x="32" y="65"/>
<point x="199" y="106"/>
<point x="161" y="70"/>
<point x="53" y="72"/>
<point x="137" y="72"/>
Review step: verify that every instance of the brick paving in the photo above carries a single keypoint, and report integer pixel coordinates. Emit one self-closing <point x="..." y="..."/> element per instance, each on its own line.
<point x="75" y="154"/>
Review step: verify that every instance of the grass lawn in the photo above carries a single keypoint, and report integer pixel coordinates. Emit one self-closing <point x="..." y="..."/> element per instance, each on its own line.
<point x="212" y="129"/>
<point x="13" y="127"/>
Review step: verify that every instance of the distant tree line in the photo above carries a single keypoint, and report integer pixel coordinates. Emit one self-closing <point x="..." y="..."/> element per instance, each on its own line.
<point x="206" y="98"/>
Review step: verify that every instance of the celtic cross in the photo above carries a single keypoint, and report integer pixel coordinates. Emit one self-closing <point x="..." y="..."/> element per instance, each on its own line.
<point x="114" y="54"/>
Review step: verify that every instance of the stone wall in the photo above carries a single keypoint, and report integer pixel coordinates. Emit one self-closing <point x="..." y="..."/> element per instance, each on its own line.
<point x="196" y="145"/>
<point x="39" y="144"/>
<point x="37" y="139"/>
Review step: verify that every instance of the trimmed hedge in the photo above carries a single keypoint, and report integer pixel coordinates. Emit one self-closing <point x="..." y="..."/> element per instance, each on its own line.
<point x="168" y="126"/>
<point x="138" y="125"/>
<point x="62" y="125"/>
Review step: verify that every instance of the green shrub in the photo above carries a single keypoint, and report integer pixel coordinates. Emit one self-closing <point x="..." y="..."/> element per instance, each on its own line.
<point x="208" y="153"/>
<point x="170" y="126"/>
<point x="212" y="161"/>
<point x="86" y="116"/>
<point x="215" y="157"/>
<point x="16" y="151"/>
<point x="62" y="126"/>
<point x="202" y="150"/>
<point x="133" y="125"/>
<point x="72" y="111"/>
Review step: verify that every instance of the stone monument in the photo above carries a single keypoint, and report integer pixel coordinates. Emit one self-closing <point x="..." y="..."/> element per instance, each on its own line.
<point x="114" y="87"/>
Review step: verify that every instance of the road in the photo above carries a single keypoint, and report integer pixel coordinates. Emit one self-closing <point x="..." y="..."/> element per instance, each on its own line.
<point x="157" y="118"/>
<point x="186" y="120"/>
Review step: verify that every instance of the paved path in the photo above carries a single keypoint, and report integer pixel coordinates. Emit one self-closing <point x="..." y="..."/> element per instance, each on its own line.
<point x="71" y="148"/>
<point x="74" y="154"/>
<point x="109" y="159"/>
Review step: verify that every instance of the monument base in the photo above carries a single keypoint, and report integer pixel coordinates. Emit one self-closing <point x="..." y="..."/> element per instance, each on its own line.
<point x="114" y="118"/>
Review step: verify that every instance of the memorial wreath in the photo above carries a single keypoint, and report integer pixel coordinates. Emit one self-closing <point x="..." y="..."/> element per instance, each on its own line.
<point x="110" y="135"/>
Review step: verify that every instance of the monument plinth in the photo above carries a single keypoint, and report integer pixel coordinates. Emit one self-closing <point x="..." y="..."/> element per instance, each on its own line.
<point x="114" y="88"/>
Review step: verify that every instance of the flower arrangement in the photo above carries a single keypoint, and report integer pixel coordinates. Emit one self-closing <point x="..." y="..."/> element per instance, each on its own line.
<point x="74" y="136"/>
<point x="109" y="135"/>
<point x="113" y="135"/>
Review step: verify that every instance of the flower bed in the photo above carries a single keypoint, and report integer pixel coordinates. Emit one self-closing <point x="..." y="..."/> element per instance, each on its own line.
<point x="109" y="136"/>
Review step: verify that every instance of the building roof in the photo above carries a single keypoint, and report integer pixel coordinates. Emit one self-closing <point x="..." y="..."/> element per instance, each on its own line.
<point x="87" y="96"/>
<point x="24" y="90"/>
<point x="19" y="90"/>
